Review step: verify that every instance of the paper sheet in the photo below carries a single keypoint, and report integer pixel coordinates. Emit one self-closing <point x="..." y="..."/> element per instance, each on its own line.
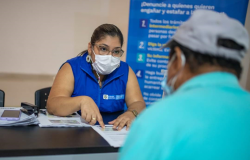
<point x="56" y="121"/>
<point x="114" y="137"/>
<point x="23" y="121"/>
<point x="50" y="116"/>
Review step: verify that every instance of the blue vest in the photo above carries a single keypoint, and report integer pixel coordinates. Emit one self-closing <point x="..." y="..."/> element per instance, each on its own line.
<point x="111" y="96"/>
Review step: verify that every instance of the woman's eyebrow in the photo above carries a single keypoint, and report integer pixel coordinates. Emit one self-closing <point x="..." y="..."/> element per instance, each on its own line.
<point x="117" y="47"/>
<point x="104" y="44"/>
<point x="109" y="46"/>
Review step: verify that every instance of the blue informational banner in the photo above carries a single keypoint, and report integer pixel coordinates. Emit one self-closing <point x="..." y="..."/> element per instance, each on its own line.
<point x="152" y="23"/>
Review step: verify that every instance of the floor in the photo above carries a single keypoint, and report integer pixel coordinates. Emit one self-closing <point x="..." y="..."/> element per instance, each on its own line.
<point x="21" y="87"/>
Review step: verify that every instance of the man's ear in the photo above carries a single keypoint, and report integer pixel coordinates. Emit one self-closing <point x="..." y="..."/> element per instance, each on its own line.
<point x="177" y="63"/>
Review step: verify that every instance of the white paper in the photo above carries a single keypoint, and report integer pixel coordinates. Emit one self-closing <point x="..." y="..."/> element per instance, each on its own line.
<point x="50" y="116"/>
<point x="114" y="137"/>
<point x="23" y="121"/>
<point x="56" y="121"/>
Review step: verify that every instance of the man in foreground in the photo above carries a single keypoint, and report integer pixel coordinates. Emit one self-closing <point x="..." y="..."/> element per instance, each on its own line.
<point x="206" y="114"/>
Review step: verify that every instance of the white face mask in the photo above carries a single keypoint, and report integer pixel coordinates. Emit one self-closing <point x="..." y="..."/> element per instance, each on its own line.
<point x="105" y="64"/>
<point x="168" y="88"/>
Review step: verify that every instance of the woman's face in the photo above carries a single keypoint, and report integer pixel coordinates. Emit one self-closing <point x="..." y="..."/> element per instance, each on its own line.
<point x="108" y="43"/>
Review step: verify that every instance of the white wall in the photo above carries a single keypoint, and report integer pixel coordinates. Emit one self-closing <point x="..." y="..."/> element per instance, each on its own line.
<point x="245" y="78"/>
<point x="37" y="36"/>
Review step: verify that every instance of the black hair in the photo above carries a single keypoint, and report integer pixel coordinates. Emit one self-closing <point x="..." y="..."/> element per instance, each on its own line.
<point x="195" y="59"/>
<point x="102" y="31"/>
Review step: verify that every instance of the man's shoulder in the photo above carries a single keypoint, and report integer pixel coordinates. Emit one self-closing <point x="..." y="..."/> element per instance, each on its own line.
<point x="186" y="104"/>
<point x="164" y="109"/>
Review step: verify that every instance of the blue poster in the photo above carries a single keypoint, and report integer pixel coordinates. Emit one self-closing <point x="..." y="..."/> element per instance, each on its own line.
<point x="152" y="23"/>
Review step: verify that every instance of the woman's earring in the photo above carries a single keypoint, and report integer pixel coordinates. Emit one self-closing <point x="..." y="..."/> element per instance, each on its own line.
<point x="88" y="58"/>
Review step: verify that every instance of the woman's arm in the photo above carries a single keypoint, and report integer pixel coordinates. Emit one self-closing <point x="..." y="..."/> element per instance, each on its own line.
<point x="134" y="101"/>
<point x="133" y="98"/>
<point x="61" y="103"/>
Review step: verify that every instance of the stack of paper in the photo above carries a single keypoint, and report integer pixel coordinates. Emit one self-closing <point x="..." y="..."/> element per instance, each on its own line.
<point x="114" y="137"/>
<point x="24" y="119"/>
<point x="49" y="120"/>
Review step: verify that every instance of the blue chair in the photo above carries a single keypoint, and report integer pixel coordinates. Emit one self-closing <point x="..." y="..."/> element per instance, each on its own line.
<point x="41" y="97"/>
<point x="2" y="97"/>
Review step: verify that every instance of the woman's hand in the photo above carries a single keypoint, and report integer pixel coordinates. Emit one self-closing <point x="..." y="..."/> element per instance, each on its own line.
<point x="125" y="119"/>
<point x="134" y="101"/>
<point x="90" y="111"/>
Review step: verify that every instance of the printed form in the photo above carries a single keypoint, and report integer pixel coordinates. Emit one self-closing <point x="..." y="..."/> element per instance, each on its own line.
<point x="114" y="137"/>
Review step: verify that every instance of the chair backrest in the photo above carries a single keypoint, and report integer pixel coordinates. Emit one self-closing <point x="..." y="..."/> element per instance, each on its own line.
<point x="41" y="97"/>
<point x="2" y="97"/>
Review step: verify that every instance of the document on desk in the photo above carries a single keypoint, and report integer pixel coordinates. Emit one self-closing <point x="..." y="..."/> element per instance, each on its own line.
<point x="114" y="137"/>
<point x="24" y="120"/>
<point x="49" y="120"/>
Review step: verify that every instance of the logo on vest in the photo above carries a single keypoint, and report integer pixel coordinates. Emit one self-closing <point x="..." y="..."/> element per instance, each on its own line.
<point x="105" y="96"/>
<point x="113" y="97"/>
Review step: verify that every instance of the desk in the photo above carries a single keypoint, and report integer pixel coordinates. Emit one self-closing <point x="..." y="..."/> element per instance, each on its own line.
<point x="35" y="141"/>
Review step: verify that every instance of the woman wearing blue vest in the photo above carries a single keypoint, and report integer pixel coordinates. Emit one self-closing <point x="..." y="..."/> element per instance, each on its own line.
<point x="97" y="81"/>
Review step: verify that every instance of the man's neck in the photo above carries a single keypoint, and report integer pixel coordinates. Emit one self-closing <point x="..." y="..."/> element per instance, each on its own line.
<point x="187" y="74"/>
